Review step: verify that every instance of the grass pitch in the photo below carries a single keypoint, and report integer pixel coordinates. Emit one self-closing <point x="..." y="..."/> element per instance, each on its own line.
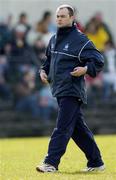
<point x="19" y="157"/>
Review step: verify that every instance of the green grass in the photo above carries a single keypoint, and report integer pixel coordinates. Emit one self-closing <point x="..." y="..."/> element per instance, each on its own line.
<point x="19" y="158"/>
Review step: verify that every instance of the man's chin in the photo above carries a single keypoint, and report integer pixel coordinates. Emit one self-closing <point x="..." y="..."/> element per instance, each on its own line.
<point x="61" y="26"/>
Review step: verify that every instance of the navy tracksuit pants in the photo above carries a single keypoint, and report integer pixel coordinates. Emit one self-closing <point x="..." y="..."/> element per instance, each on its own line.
<point x="70" y="124"/>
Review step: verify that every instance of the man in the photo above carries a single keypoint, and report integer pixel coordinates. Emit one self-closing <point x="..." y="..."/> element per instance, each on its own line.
<point x="70" y="55"/>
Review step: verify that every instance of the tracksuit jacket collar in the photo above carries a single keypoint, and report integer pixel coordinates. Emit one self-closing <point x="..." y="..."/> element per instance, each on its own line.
<point x="65" y="30"/>
<point x="62" y="33"/>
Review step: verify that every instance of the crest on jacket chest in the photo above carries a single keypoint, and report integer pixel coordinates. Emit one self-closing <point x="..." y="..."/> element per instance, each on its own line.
<point x="66" y="47"/>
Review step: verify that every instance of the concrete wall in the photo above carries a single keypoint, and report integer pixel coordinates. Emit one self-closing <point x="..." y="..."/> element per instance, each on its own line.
<point x="86" y="8"/>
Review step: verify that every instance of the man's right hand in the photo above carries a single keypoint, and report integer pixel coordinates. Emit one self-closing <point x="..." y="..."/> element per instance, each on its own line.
<point x="43" y="77"/>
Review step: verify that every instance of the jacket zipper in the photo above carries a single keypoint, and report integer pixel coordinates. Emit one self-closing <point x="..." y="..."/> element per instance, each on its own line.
<point x="54" y="66"/>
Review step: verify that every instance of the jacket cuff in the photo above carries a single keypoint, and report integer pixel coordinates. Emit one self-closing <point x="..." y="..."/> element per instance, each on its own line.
<point x="91" y="70"/>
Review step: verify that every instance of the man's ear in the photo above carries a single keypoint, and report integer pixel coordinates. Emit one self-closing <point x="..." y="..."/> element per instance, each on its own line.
<point x="73" y="18"/>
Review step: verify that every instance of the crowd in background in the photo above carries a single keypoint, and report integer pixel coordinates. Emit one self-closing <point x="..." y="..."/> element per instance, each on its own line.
<point x="22" y="51"/>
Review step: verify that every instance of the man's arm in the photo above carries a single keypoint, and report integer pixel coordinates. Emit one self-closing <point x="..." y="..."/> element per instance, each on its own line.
<point x="92" y="59"/>
<point x="44" y="70"/>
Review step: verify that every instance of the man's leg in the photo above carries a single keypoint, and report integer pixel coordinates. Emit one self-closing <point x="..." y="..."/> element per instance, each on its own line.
<point x="83" y="137"/>
<point x="68" y="108"/>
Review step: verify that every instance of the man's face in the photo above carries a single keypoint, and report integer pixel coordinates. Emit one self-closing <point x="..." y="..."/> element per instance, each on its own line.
<point x="63" y="19"/>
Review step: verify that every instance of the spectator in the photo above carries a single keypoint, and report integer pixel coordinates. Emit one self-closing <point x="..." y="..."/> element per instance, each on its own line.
<point x="47" y="103"/>
<point x="26" y="100"/>
<point x="22" y="55"/>
<point x="94" y="88"/>
<point x="5" y="35"/>
<point x="47" y="17"/>
<point x="97" y="34"/>
<point x="39" y="49"/>
<point x="41" y="31"/>
<point x="9" y="22"/>
<point x="43" y="28"/>
<point x="5" y="91"/>
<point x="109" y="76"/>
<point x="99" y="20"/>
<point x="23" y="20"/>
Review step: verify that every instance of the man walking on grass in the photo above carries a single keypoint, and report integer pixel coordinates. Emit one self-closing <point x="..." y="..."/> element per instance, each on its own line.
<point x="70" y="55"/>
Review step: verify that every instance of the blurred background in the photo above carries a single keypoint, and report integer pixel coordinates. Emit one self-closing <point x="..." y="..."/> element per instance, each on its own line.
<point x="27" y="107"/>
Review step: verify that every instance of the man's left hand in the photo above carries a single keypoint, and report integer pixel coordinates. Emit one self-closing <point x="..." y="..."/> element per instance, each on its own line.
<point x="79" y="71"/>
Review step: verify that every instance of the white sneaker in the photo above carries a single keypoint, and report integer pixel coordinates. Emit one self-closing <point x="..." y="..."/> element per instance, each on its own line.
<point x="46" y="168"/>
<point x="89" y="169"/>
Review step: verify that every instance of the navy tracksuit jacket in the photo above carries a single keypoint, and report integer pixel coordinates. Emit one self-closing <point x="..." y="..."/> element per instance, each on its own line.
<point x="68" y="49"/>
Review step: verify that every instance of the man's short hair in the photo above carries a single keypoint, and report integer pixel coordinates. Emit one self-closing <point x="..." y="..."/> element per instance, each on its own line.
<point x="70" y="9"/>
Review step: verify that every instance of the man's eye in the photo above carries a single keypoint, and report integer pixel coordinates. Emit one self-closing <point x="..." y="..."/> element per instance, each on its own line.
<point x="61" y="16"/>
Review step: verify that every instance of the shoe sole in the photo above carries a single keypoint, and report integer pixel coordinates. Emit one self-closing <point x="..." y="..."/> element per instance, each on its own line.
<point x="39" y="170"/>
<point x="94" y="170"/>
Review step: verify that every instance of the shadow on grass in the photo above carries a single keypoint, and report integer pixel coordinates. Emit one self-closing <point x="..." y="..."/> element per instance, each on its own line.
<point x="79" y="172"/>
